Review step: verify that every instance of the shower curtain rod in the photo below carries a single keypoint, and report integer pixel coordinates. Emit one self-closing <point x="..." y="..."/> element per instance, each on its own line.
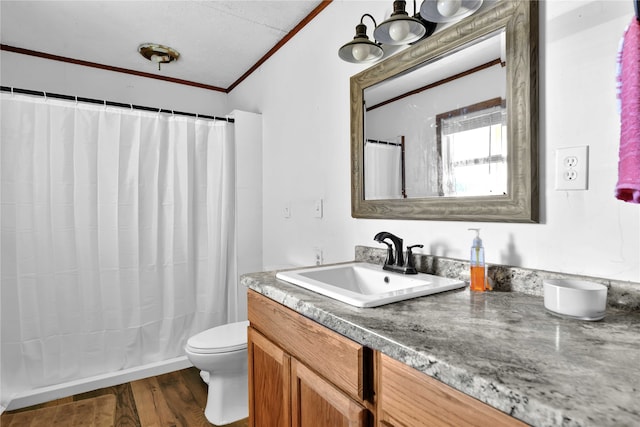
<point x="110" y="103"/>
<point x="376" y="141"/>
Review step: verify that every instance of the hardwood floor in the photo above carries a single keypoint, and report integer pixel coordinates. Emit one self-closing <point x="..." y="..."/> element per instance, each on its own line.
<point x="176" y="399"/>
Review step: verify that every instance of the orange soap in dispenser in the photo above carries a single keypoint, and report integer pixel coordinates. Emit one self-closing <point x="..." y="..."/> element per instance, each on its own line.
<point x="478" y="277"/>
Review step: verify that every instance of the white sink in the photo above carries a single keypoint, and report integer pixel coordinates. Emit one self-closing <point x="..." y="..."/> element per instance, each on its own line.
<point x="367" y="285"/>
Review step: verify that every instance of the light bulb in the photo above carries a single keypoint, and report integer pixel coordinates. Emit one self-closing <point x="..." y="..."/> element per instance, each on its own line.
<point x="448" y="7"/>
<point x="360" y="51"/>
<point x="399" y="30"/>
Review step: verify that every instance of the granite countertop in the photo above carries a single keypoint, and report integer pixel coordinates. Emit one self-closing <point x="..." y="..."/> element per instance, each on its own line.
<point x="502" y="348"/>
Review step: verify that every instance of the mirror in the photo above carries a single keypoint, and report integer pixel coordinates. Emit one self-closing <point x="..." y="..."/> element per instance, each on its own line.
<point x="447" y="129"/>
<point x="451" y="114"/>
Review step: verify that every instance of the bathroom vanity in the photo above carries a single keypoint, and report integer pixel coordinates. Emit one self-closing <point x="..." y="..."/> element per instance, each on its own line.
<point x="301" y="372"/>
<point x="456" y="358"/>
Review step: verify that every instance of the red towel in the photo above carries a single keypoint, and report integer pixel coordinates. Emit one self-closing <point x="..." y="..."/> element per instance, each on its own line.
<point x="628" y="187"/>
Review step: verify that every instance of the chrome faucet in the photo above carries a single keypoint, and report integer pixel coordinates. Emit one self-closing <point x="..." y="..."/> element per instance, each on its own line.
<point x="395" y="254"/>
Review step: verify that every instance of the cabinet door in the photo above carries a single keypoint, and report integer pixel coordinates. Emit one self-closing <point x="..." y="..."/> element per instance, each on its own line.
<point x="408" y="397"/>
<point x="341" y="361"/>
<point x="317" y="403"/>
<point x="269" y="383"/>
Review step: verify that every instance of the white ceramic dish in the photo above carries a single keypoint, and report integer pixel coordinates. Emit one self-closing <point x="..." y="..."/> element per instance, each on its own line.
<point x="578" y="299"/>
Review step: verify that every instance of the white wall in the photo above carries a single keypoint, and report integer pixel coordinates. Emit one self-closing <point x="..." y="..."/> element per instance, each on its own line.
<point x="303" y="94"/>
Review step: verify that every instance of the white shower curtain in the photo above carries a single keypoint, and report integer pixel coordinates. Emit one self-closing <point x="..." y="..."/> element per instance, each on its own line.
<point x="382" y="171"/>
<point x="117" y="238"/>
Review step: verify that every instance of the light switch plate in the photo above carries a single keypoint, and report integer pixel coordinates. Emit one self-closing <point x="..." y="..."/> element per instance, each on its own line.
<point x="572" y="168"/>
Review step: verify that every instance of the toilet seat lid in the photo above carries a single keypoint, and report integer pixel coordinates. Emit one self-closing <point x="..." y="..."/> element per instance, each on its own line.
<point x="221" y="339"/>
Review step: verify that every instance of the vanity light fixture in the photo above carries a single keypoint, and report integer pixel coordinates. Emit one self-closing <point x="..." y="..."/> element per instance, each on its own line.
<point x="400" y="28"/>
<point x="361" y="49"/>
<point x="158" y="53"/>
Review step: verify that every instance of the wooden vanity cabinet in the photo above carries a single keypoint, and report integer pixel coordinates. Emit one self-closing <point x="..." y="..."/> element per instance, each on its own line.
<point x="407" y="397"/>
<point x="303" y="374"/>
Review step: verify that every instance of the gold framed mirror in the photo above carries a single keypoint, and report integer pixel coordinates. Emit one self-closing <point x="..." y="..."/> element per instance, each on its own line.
<point x="513" y="27"/>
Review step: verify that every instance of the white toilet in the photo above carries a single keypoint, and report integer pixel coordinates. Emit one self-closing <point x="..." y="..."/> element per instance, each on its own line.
<point x="221" y="355"/>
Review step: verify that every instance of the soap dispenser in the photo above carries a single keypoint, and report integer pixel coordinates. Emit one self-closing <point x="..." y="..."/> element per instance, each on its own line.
<point x="478" y="277"/>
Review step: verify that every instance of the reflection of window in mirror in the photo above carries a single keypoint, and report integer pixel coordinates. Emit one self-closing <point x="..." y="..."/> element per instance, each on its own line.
<point x="472" y="146"/>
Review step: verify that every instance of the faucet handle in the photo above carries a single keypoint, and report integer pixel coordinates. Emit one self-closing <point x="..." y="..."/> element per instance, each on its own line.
<point x="409" y="260"/>
<point x="390" y="258"/>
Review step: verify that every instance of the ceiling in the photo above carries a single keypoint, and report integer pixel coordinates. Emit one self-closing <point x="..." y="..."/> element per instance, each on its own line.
<point x="218" y="41"/>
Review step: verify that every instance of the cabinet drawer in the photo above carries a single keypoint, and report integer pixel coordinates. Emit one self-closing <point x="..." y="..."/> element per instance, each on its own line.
<point x="408" y="397"/>
<point x="345" y="363"/>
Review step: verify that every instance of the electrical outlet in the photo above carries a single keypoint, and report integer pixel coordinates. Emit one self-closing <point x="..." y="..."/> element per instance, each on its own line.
<point x="286" y="210"/>
<point x="572" y="168"/>
<point x="570" y="162"/>
<point x="570" y="175"/>
<point x="318" y="255"/>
